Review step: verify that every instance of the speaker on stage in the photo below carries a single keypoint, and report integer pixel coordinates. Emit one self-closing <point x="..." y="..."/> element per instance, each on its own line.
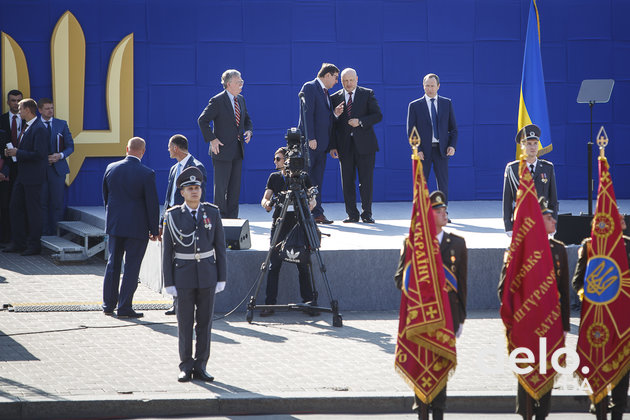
<point x="237" y="234"/>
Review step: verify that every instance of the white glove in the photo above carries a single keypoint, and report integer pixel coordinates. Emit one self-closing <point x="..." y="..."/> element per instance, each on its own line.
<point x="459" y="331"/>
<point x="171" y="290"/>
<point x="220" y="287"/>
<point x="509" y="233"/>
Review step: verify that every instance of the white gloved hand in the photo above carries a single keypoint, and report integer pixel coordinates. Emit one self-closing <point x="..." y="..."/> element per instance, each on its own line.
<point x="220" y="287"/>
<point x="171" y="290"/>
<point x="459" y="331"/>
<point x="509" y="233"/>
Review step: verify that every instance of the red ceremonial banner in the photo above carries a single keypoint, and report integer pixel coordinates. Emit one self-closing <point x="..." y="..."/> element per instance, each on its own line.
<point x="425" y="349"/>
<point x="530" y="305"/>
<point x="604" y="341"/>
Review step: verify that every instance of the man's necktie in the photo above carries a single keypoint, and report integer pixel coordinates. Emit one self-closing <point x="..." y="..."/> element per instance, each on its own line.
<point x="349" y="105"/>
<point x="237" y="112"/>
<point x="434" y="119"/>
<point x="194" y="215"/>
<point x="327" y="97"/>
<point x="14" y="133"/>
<point x="531" y="169"/>
<point x="177" y="172"/>
<point x="50" y="136"/>
<point x="19" y="140"/>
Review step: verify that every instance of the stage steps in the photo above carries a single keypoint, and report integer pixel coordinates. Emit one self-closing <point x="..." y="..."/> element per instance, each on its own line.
<point x="65" y="249"/>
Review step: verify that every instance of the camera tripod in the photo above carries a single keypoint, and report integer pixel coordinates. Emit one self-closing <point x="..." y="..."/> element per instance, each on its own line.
<point x="299" y="199"/>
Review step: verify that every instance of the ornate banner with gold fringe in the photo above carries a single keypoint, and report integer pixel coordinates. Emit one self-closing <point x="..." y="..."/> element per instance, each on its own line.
<point x="425" y="349"/>
<point x="530" y="304"/>
<point x="604" y="339"/>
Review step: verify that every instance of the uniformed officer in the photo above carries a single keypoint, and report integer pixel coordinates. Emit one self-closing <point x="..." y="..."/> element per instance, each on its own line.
<point x="455" y="261"/>
<point x="194" y="265"/>
<point x="542" y="172"/>
<point x="619" y="394"/>
<point x="542" y="407"/>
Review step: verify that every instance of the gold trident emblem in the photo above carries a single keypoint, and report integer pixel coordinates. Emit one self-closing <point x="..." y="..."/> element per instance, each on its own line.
<point x="67" y="53"/>
<point x="598" y="281"/>
<point x="414" y="141"/>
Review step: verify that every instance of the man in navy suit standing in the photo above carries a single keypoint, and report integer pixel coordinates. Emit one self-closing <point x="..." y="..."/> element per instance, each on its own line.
<point x="60" y="146"/>
<point x="434" y="119"/>
<point x="178" y="149"/>
<point x="30" y="152"/>
<point x="231" y="126"/>
<point x="132" y="213"/>
<point x="318" y="130"/>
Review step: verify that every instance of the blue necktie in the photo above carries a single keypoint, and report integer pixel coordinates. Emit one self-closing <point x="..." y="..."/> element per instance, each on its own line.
<point x="177" y="172"/>
<point x="434" y="119"/>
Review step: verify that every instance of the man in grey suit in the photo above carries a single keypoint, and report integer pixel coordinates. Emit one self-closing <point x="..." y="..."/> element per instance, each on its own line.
<point x="542" y="172"/>
<point x="60" y="146"/>
<point x="194" y="266"/>
<point x="231" y="126"/>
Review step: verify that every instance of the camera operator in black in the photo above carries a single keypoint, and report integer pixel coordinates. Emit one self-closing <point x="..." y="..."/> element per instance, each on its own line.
<point x="277" y="184"/>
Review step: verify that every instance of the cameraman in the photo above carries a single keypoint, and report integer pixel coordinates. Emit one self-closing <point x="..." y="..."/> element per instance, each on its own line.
<point x="276" y="185"/>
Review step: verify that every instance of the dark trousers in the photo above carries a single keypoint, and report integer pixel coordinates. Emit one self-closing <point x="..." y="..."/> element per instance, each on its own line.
<point x="26" y="216"/>
<point x="440" y="168"/>
<point x="194" y="305"/>
<point x="52" y="201"/>
<point x="133" y="250"/>
<point x="227" y="186"/>
<point x="275" y="264"/>
<point x="5" y="199"/>
<point x="619" y="396"/>
<point x="437" y="406"/>
<point x="316" y="173"/>
<point x="540" y="408"/>
<point x="351" y="163"/>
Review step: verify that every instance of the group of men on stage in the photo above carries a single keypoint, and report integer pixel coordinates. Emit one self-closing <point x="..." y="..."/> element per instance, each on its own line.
<point x="33" y="169"/>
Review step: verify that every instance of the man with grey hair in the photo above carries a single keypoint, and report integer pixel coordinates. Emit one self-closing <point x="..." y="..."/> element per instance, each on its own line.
<point x="231" y="128"/>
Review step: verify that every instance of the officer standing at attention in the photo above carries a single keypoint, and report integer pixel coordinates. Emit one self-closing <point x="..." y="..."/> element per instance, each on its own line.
<point x="194" y="266"/>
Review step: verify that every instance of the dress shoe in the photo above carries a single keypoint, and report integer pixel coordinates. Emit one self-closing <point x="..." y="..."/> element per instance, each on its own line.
<point x="311" y="312"/>
<point x="202" y="375"/>
<point x="351" y="220"/>
<point x="108" y="313"/>
<point x="132" y="314"/>
<point x="170" y="311"/>
<point x="322" y="220"/>
<point x="13" y="248"/>
<point x="267" y="312"/>
<point x="30" y="251"/>
<point x="184" y="376"/>
<point x="367" y="219"/>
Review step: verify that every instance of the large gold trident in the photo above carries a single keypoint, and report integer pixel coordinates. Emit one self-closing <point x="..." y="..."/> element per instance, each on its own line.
<point x="67" y="54"/>
<point x="414" y="141"/>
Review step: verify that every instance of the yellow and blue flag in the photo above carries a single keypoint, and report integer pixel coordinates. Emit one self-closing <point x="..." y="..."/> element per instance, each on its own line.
<point x="532" y="106"/>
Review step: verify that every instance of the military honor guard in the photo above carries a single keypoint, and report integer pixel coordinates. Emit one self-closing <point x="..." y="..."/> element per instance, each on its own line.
<point x="542" y="172"/>
<point x="194" y="266"/>
<point x="455" y="262"/>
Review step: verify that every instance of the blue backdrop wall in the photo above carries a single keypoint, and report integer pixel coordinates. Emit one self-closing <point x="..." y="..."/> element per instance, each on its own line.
<point x="475" y="46"/>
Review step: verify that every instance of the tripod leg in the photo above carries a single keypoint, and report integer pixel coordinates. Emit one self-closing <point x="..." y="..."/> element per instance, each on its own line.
<point x="312" y="279"/>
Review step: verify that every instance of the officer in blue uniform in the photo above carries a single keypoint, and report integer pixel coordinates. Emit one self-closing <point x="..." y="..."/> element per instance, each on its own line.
<point x="194" y="266"/>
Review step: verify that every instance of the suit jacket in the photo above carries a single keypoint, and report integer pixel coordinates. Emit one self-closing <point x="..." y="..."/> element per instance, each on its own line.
<point x="455" y="258"/>
<point x="418" y="116"/>
<point x="544" y="181"/>
<point x="178" y="199"/>
<point x="221" y="113"/>
<point x="4" y="160"/>
<point x="319" y="115"/>
<point x="132" y="208"/>
<point x="561" y="269"/>
<point x="6" y="126"/>
<point x="60" y="133"/>
<point x="32" y="154"/>
<point x="190" y="273"/>
<point x="366" y="109"/>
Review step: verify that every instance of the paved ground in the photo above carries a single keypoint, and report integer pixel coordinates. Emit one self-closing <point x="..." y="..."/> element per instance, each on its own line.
<point x="85" y="364"/>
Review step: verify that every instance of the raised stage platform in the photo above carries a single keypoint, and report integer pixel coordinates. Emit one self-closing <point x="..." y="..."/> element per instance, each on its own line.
<point x="360" y="259"/>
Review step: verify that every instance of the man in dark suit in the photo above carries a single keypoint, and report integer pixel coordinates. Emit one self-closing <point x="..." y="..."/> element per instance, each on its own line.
<point x="11" y="124"/>
<point x="30" y="152"/>
<point x="60" y="146"/>
<point x="355" y="143"/>
<point x="542" y="172"/>
<point x="178" y="149"/>
<point x="433" y="117"/>
<point x="231" y="126"/>
<point x="132" y="213"/>
<point x="318" y="127"/>
<point x="194" y="264"/>
<point x="455" y="261"/>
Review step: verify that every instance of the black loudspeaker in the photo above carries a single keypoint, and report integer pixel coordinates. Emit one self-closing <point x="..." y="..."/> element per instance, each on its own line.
<point x="237" y="234"/>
